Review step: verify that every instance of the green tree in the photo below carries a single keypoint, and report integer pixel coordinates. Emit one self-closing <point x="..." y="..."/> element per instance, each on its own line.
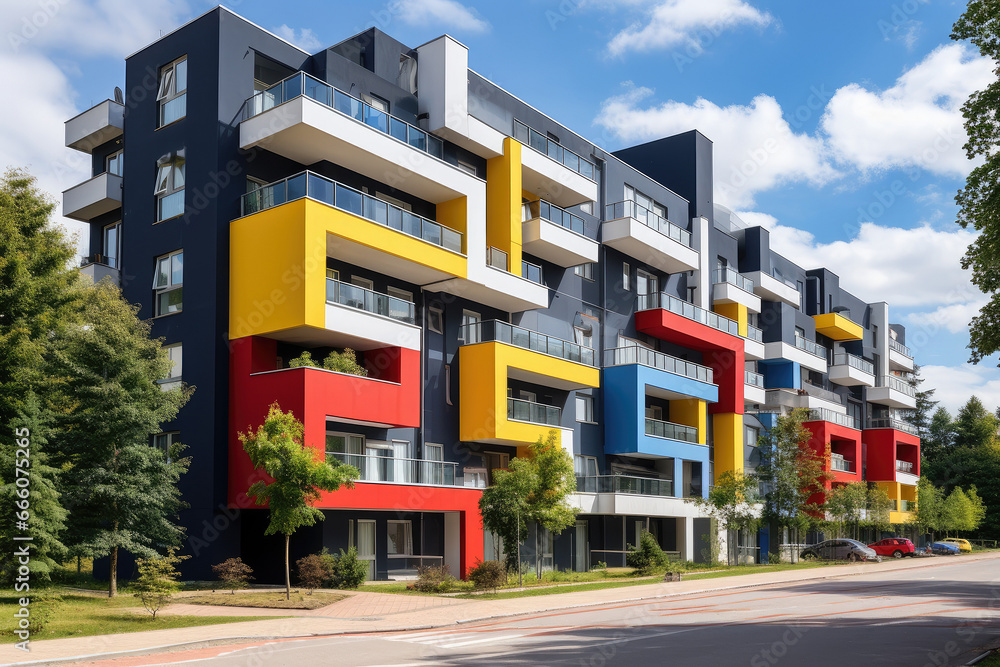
<point x="960" y="512"/>
<point x="847" y="506"/>
<point x="121" y="491"/>
<point x="940" y="436"/>
<point x="534" y="489"/>
<point x="929" y="507"/>
<point x="298" y="473"/>
<point x="979" y="200"/>
<point x="157" y="581"/>
<point x="920" y="417"/>
<point x="734" y="501"/>
<point x="974" y="425"/>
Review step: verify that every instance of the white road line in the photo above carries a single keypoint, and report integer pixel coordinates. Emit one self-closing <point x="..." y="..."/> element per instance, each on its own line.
<point x="479" y="641"/>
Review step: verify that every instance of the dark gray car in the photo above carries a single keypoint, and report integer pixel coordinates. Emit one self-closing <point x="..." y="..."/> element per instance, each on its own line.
<point x="839" y="549"/>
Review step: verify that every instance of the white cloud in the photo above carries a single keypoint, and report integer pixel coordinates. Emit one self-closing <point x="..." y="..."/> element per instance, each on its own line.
<point x="449" y="13"/>
<point x="305" y="39"/>
<point x="954" y="385"/>
<point x="689" y="23"/>
<point x="915" y="123"/>
<point x="755" y="147"/>
<point x="955" y="317"/>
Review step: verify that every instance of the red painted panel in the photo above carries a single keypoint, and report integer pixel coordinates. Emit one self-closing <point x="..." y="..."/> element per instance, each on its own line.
<point x="847" y="441"/>
<point x="721" y="351"/>
<point x="884" y="446"/>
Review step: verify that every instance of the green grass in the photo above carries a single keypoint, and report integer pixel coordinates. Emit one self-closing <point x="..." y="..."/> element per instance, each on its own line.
<point x="265" y="599"/>
<point x="85" y="615"/>
<point x="992" y="661"/>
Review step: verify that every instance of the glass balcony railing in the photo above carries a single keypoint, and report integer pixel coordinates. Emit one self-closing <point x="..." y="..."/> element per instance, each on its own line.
<point x="310" y="185"/>
<point x="906" y="506"/>
<point x="498" y="259"/>
<point x="825" y="415"/>
<point x="373" y="302"/>
<point x="554" y="150"/>
<point x="753" y="379"/>
<point x="896" y="346"/>
<point x="809" y="346"/>
<point x="640" y="486"/>
<point x="904" y="466"/>
<point x="897" y="384"/>
<point x="753" y="333"/>
<point x="688" y="310"/>
<point x="844" y="359"/>
<point x="821" y="392"/>
<point x="534" y="413"/>
<point x="733" y="277"/>
<point x="502" y="332"/>
<point x="662" y="429"/>
<point x="546" y="211"/>
<point x="630" y="209"/>
<point x="840" y="463"/>
<point x="893" y="423"/>
<point x="622" y="356"/>
<point x="398" y="470"/>
<point x="301" y="84"/>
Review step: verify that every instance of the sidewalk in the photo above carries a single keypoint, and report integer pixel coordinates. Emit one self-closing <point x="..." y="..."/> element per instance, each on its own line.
<point x="380" y="612"/>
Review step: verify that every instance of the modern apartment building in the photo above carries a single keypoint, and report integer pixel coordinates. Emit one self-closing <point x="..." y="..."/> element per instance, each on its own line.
<point x="499" y="277"/>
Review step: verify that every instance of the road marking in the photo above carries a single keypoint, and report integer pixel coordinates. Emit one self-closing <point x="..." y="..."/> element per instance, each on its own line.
<point x="480" y="641"/>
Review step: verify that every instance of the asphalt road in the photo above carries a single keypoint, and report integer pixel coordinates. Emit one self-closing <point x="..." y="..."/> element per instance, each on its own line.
<point x="934" y="616"/>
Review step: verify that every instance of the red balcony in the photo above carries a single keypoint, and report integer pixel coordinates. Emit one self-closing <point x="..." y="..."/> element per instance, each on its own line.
<point x="893" y="455"/>
<point x="845" y="449"/>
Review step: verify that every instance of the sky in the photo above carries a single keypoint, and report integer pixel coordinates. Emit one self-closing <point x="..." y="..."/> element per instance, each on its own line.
<point x="836" y="126"/>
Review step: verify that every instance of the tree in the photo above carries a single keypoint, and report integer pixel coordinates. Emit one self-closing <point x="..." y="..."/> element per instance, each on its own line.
<point x="940" y="435"/>
<point x="157" y="580"/>
<point x="298" y="474"/>
<point x="920" y="417"/>
<point x="534" y="488"/>
<point x="121" y="491"/>
<point x="962" y="512"/>
<point x="734" y="501"/>
<point x="929" y="517"/>
<point x="233" y="573"/>
<point x="313" y="572"/>
<point x="974" y="425"/>
<point x="979" y="200"/>
<point x="846" y="505"/>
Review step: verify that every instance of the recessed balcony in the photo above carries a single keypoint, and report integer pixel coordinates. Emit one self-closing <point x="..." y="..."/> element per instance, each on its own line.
<point x="771" y="288"/>
<point x="556" y="235"/>
<point x="894" y="392"/>
<point x="900" y="357"/>
<point x="849" y="370"/>
<point x="400" y="470"/>
<point x="92" y="198"/>
<point x="554" y="172"/>
<point x="731" y="287"/>
<point x="95" y="126"/>
<point x="640" y="233"/>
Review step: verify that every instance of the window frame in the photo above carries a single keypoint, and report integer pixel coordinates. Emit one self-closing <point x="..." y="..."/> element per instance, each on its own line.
<point x="438" y="313"/>
<point x="170" y="93"/>
<point x="407" y="525"/>
<point x="588" y="402"/>
<point x="176" y="370"/>
<point x="585" y="270"/>
<point x="159" y="291"/>
<point x="118" y="157"/>
<point x="173" y="439"/>
<point x="626" y="277"/>
<point x="117" y="226"/>
<point x="166" y="185"/>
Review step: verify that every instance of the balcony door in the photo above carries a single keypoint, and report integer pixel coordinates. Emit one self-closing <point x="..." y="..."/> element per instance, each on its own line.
<point x="366" y="545"/>
<point x="582" y="556"/>
<point x="112" y="244"/>
<point x="645" y="283"/>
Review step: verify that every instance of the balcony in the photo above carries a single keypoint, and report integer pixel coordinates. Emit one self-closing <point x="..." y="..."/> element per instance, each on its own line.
<point x="671" y="431"/>
<point x="850" y="371"/>
<point x="772" y="288"/>
<point x="894" y="424"/>
<point x="839" y="418"/>
<point x="900" y="356"/>
<point x="805" y="352"/>
<point x="637" y="372"/>
<point x="840" y="464"/>
<point x="533" y="413"/>
<point x="640" y="233"/>
<point x="554" y="172"/>
<point x="95" y="126"/>
<point x="753" y="388"/>
<point x="400" y="470"/>
<point x="98" y="267"/>
<point x="838" y="327"/>
<point x="753" y="344"/>
<point x="622" y="356"/>
<point x="92" y="198"/>
<point x="730" y="287"/>
<point x="688" y="311"/>
<point x="556" y="235"/>
<point x="894" y="392"/>
<point x="825" y="404"/>
<point x="641" y="486"/>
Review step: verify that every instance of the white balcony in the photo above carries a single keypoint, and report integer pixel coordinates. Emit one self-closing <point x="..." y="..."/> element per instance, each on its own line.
<point x="95" y="126"/>
<point x="907" y="478"/>
<point x="812" y="398"/>
<point x="96" y="272"/>
<point x="770" y="288"/>
<point x="631" y="504"/>
<point x="556" y="235"/>
<point x="552" y="171"/>
<point x="893" y="392"/>
<point x="806" y="358"/>
<point x="641" y="234"/>
<point x="753" y="388"/>
<point x="753" y="345"/>
<point x="849" y="370"/>
<point x="101" y="194"/>
<point x="900" y="357"/>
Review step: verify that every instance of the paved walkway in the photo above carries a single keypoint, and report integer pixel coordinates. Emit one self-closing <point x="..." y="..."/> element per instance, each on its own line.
<point x="379" y="612"/>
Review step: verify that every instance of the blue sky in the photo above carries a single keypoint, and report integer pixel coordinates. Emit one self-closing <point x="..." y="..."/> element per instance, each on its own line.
<point x="839" y="130"/>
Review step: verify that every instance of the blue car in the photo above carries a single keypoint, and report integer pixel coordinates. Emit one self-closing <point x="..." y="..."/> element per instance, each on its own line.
<point x="944" y="548"/>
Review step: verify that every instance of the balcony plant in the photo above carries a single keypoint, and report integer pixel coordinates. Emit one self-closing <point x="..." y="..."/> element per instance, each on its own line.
<point x="341" y="362"/>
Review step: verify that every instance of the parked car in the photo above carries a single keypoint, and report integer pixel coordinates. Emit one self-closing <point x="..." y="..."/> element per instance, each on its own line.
<point x="943" y="548"/>
<point x="963" y="545"/>
<point x="841" y="549"/>
<point x="897" y="547"/>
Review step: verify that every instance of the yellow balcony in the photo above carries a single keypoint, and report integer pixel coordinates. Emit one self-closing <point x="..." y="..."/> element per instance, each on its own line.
<point x="837" y="327"/>
<point x="904" y="500"/>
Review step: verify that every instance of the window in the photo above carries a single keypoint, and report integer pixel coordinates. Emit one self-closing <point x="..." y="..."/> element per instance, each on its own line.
<point x="115" y="163"/>
<point x="750" y="435"/>
<point x="800" y="332"/>
<point x="802" y="294"/>
<point x="584" y="337"/>
<point x="166" y="441"/>
<point x="364" y="283"/>
<point x="470" y="332"/>
<point x="645" y="201"/>
<point x="379" y="103"/>
<point x="467" y="167"/>
<point x="399" y="203"/>
<point x="172" y="94"/>
<point x="435" y="320"/>
<point x="654" y="412"/>
<point x="169" y="187"/>
<point x="168" y="283"/>
<point x="626" y="276"/>
<point x="112" y="243"/>
<point x="400" y="294"/>
<point x="400" y="542"/>
<point x="585" y="270"/>
<point x="332" y="274"/>
<point x="447" y="384"/>
<point x="645" y="283"/>
<point x="586" y="466"/>
<point x="584" y="408"/>
<point x="173" y="378"/>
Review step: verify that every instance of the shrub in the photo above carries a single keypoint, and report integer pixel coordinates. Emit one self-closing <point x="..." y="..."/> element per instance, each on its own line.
<point x="488" y="575"/>
<point x="157" y="581"/>
<point x="345" y="362"/>
<point x="348" y="571"/>
<point x="233" y="573"/>
<point x="774" y="558"/>
<point x="600" y="565"/>
<point x="303" y="360"/>
<point x="313" y="572"/>
<point x="433" y="579"/>
<point x="648" y="557"/>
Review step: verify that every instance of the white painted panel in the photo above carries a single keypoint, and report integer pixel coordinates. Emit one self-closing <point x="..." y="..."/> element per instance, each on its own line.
<point x="363" y="325"/>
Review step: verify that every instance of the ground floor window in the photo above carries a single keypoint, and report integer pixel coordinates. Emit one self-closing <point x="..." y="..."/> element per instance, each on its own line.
<point x="400" y="538"/>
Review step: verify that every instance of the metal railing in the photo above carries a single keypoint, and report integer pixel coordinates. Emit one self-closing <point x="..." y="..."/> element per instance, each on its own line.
<point x="521" y="410"/>
<point x="554" y="150"/>
<point x="311" y="185"/>
<point x="733" y="277"/>
<point x="753" y="333"/>
<point x="777" y="276"/>
<point x="897" y="384"/>
<point x="621" y="356"/>
<point x="499" y="259"/>
<point x="893" y="423"/>
<point x="896" y="346"/>
<point x="688" y="310"/>
<point x="532" y="272"/>
<point x="661" y="429"/>
<point x="845" y="359"/>
<point x="840" y="463"/>
<point x="640" y="486"/>
<point x="904" y="466"/>
<point x="398" y="470"/>
<point x="502" y="332"/>
<point x="811" y="347"/>
<point x="753" y="379"/>
<point x="546" y="211"/>
<point x="631" y="209"/>
<point x="824" y="415"/>
<point x="412" y="562"/>
<point x="820" y="392"/>
<point x="368" y="300"/>
<point x="301" y="84"/>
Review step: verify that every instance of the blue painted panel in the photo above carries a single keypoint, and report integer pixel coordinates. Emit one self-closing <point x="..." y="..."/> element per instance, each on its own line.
<point x="780" y="374"/>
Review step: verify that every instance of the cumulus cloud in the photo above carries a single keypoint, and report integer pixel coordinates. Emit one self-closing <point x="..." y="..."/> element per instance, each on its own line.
<point x="305" y="38"/>
<point x="448" y="13"/>
<point x="954" y="385"/>
<point x="955" y="317"/>
<point x="755" y="147"/>
<point x="674" y="23"/>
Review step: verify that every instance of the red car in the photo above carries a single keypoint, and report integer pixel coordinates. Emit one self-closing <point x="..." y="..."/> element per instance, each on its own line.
<point x="897" y="547"/>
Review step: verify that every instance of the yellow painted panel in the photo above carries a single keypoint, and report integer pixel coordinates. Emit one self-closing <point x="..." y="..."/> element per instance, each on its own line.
<point x="734" y="311"/>
<point x="454" y="213"/>
<point x="691" y="412"/>
<point x="503" y="203"/>
<point x="728" y="435"/>
<point x="579" y="375"/>
<point x="838" y="327"/>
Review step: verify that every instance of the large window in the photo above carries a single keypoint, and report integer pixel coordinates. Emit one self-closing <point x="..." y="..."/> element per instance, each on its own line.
<point x="173" y="379"/>
<point x="169" y="187"/>
<point x="166" y="441"/>
<point x="172" y="93"/>
<point x="400" y="542"/>
<point x="168" y="283"/>
<point x="112" y="243"/>
<point x="648" y="203"/>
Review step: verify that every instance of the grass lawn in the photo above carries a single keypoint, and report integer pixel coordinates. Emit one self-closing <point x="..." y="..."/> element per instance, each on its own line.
<point x="267" y="599"/>
<point x="84" y="615"/>
<point x="991" y="661"/>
